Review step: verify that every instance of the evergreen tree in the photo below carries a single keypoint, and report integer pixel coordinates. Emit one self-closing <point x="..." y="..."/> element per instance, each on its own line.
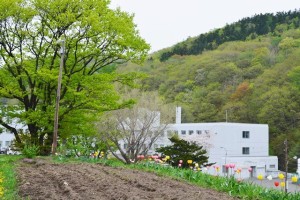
<point x="184" y="150"/>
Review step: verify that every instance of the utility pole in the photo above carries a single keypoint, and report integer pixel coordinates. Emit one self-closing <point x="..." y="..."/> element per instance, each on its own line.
<point x="55" y="130"/>
<point x="286" y="164"/>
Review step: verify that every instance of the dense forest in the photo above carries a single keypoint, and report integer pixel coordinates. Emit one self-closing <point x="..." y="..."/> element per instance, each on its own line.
<point x="249" y="27"/>
<point x="249" y="69"/>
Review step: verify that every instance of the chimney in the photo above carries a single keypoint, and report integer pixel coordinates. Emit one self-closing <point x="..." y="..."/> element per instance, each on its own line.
<point x="178" y="115"/>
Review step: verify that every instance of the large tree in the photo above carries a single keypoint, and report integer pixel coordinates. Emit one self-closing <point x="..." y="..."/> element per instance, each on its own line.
<point x="138" y="127"/>
<point x="96" y="37"/>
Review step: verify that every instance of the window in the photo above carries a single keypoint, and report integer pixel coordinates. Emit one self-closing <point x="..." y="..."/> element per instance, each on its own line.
<point x="246" y="150"/>
<point x="198" y="132"/>
<point x="272" y="166"/>
<point x="176" y="132"/>
<point x="183" y="132"/>
<point x="191" y="132"/>
<point x="7" y="143"/>
<point x="246" y="134"/>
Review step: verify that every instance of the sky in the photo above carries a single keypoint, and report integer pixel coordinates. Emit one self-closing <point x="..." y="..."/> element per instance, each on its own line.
<point x="163" y="23"/>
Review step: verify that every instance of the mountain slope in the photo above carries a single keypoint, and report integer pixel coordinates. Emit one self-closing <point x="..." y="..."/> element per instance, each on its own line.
<point x="253" y="81"/>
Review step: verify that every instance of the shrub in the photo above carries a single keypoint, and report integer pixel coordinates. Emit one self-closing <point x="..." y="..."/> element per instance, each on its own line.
<point x="30" y="151"/>
<point x="184" y="150"/>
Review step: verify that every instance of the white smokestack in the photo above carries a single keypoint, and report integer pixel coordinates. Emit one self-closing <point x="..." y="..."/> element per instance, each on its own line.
<point x="178" y="115"/>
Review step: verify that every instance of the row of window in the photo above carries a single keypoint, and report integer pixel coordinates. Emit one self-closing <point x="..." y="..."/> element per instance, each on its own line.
<point x="184" y="132"/>
<point x="246" y="134"/>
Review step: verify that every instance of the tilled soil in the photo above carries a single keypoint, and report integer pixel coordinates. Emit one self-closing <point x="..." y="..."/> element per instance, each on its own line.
<point x="43" y="180"/>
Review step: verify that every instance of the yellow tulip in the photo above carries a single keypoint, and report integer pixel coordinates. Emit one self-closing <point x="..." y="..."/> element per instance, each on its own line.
<point x="167" y="157"/>
<point x="281" y="176"/>
<point x="196" y="165"/>
<point x="294" y="179"/>
<point x="260" y="177"/>
<point x="1" y="191"/>
<point x="282" y="184"/>
<point x="189" y="161"/>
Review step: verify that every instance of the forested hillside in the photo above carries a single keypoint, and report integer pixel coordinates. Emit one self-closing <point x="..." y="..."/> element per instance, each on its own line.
<point x="249" y="27"/>
<point x="254" y="80"/>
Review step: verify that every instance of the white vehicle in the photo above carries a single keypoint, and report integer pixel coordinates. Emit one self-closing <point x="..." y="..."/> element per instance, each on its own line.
<point x="12" y="152"/>
<point x="3" y="150"/>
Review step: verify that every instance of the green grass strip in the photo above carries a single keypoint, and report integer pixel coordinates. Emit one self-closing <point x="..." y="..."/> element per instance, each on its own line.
<point x="9" y="182"/>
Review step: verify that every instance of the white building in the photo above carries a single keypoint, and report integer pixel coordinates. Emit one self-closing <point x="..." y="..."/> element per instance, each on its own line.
<point x="7" y="137"/>
<point x="5" y="140"/>
<point x="245" y="145"/>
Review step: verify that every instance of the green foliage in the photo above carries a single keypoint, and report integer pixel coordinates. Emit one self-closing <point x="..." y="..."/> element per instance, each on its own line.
<point x="96" y="39"/>
<point x="30" y="150"/>
<point x="253" y="81"/>
<point x="8" y="177"/>
<point x="184" y="150"/>
<point x="247" y="28"/>
<point x="77" y="145"/>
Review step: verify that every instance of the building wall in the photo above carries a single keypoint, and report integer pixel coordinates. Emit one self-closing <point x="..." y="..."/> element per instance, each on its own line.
<point x="226" y="138"/>
<point x="225" y="142"/>
<point x="5" y="140"/>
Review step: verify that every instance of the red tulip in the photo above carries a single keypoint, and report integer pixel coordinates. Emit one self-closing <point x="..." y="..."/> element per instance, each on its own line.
<point x="276" y="183"/>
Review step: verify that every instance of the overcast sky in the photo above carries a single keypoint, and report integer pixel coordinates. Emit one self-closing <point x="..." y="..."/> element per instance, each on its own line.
<point x="163" y="23"/>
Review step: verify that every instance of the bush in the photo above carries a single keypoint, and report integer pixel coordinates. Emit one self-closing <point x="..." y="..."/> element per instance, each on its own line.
<point x="184" y="150"/>
<point x="30" y="151"/>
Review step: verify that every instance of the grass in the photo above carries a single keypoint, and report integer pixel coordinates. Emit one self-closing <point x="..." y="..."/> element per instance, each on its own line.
<point x="9" y="182"/>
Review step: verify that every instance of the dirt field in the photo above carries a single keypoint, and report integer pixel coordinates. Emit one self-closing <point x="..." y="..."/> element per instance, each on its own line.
<point x="43" y="180"/>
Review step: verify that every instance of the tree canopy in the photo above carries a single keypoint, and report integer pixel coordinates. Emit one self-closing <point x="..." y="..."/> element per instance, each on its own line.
<point x="96" y="37"/>
<point x="184" y="150"/>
